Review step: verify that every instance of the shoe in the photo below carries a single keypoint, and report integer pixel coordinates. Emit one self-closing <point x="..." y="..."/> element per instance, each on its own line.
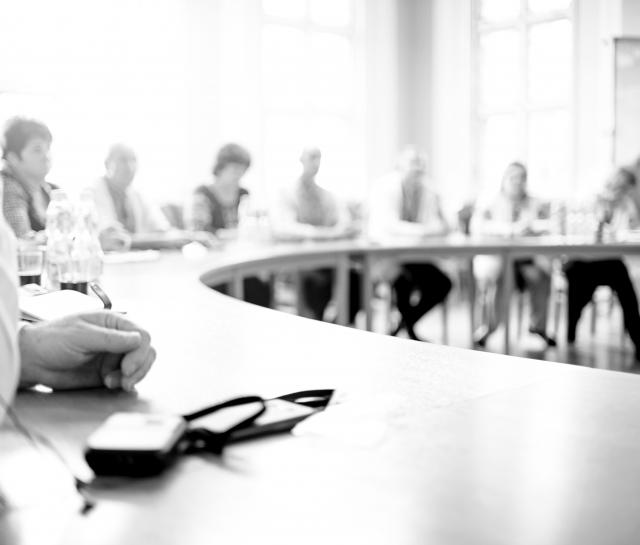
<point x="481" y="336"/>
<point x="394" y="332"/>
<point x="413" y="336"/>
<point x="551" y="342"/>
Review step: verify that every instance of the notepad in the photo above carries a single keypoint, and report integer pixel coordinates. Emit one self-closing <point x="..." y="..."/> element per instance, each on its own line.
<point x="56" y="304"/>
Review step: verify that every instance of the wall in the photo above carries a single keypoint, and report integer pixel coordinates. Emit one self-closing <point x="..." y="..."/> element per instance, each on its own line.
<point x="414" y="61"/>
<point x="631" y="18"/>
<point x="452" y="156"/>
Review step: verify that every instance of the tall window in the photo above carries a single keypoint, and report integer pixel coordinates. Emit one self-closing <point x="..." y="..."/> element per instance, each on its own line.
<point x="523" y="91"/>
<point x="311" y="91"/>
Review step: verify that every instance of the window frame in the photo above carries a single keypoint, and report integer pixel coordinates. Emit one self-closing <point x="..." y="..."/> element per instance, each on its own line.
<point x="353" y="114"/>
<point x="523" y="107"/>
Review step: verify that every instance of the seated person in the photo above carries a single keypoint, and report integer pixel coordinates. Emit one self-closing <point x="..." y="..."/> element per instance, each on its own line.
<point x="617" y="208"/>
<point x="122" y="211"/>
<point x="514" y="213"/>
<point x="215" y="207"/>
<point x="26" y="193"/>
<point x="308" y="211"/>
<point x="79" y="351"/>
<point x="404" y="204"/>
<point x="215" y="204"/>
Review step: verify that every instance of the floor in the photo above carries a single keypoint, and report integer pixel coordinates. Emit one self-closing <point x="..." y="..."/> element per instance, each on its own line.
<point x="605" y="348"/>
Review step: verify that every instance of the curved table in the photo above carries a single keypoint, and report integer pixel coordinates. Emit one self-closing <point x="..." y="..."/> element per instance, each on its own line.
<point x="433" y="444"/>
<point x="249" y="260"/>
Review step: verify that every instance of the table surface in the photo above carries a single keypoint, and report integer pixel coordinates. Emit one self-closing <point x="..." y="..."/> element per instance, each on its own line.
<point x="433" y="444"/>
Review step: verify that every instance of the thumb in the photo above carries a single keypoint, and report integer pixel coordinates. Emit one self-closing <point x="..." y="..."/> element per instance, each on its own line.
<point x="102" y="339"/>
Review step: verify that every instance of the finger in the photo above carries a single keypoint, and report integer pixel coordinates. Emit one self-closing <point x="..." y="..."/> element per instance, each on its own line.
<point x="135" y="358"/>
<point x="98" y="339"/>
<point x="128" y="382"/>
<point x="110" y="373"/>
<point x="113" y="380"/>
<point x="110" y="320"/>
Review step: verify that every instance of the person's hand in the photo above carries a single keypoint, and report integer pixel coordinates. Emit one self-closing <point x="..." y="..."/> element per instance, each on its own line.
<point x="84" y="351"/>
<point x="208" y="240"/>
<point x="115" y="239"/>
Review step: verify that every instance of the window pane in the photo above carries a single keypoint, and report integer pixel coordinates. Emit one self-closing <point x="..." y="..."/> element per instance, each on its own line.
<point x="542" y="6"/>
<point x="550" y="62"/>
<point x="331" y="65"/>
<point x="283" y="65"/>
<point x="287" y="9"/>
<point x="494" y="11"/>
<point x="549" y="153"/>
<point x="331" y="12"/>
<point x="499" y="69"/>
<point x="499" y="137"/>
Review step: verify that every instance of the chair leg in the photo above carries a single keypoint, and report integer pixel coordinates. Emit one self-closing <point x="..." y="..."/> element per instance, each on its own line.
<point x="557" y="304"/>
<point x="445" y="322"/>
<point x="520" y="312"/>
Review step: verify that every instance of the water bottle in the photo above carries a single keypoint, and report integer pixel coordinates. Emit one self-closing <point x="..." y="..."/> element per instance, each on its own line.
<point x="74" y="254"/>
<point x="88" y="235"/>
<point x="59" y="230"/>
<point x="246" y="220"/>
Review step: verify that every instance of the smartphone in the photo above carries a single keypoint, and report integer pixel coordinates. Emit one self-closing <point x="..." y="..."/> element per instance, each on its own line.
<point x="280" y="416"/>
<point x="135" y="444"/>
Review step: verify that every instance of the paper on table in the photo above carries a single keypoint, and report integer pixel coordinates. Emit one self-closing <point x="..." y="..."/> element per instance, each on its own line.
<point x="56" y="304"/>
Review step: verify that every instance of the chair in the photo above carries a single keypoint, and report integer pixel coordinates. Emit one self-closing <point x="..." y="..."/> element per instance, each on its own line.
<point x="603" y="294"/>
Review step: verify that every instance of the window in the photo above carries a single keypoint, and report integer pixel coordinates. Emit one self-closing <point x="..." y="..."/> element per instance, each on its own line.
<point x="311" y="91"/>
<point x="523" y="91"/>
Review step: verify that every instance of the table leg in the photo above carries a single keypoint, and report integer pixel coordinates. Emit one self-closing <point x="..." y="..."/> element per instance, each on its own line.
<point x="507" y="263"/>
<point x="367" y="293"/>
<point x="471" y="280"/>
<point x="342" y="289"/>
<point x="237" y="286"/>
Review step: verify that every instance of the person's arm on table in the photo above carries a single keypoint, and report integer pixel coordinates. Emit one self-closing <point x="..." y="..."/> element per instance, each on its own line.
<point x="85" y="351"/>
<point x="386" y="211"/>
<point x="284" y="220"/>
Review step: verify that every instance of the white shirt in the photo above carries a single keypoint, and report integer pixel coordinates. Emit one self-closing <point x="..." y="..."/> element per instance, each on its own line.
<point x="147" y="218"/>
<point x="386" y="204"/>
<point x="9" y="354"/>
<point x="386" y="221"/>
<point x="304" y="211"/>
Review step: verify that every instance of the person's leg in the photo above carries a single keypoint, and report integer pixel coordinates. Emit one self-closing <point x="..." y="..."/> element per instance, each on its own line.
<point x="355" y="303"/>
<point x="316" y="290"/>
<point x="257" y="291"/>
<point x="222" y="288"/>
<point x="582" y="280"/>
<point x="538" y="282"/>
<point x="402" y="288"/>
<point x="615" y="274"/>
<point x="488" y="273"/>
<point x="433" y="285"/>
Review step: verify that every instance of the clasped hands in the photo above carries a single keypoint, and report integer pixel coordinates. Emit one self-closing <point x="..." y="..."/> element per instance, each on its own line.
<point x="99" y="349"/>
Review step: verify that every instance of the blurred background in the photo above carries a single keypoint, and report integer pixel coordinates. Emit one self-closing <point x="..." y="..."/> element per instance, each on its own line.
<point x="473" y="83"/>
